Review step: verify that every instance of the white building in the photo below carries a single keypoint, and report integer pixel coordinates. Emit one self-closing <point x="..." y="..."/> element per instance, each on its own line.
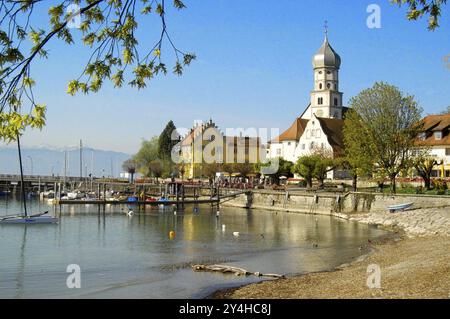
<point x="436" y="138"/>
<point x="321" y="123"/>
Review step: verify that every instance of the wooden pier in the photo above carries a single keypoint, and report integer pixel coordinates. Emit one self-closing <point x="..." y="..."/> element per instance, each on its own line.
<point x="216" y="200"/>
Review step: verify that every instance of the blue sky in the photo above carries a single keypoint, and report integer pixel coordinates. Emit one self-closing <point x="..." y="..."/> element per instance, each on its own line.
<point x="253" y="69"/>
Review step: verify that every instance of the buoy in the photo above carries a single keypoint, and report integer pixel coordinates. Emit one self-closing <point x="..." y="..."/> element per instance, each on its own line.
<point x="171" y="234"/>
<point x="236" y="234"/>
<point x="175" y="212"/>
<point x="224" y="227"/>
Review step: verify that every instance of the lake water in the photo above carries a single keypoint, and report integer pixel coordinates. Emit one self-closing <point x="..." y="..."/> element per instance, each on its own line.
<point x="133" y="257"/>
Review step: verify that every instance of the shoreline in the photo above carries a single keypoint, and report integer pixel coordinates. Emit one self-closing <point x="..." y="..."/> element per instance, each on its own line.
<point x="413" y="263"/>
<point x="393" y="236"/>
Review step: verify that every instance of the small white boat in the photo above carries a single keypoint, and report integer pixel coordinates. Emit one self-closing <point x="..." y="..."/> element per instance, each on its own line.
<point x="76" y="195"/>
<point x="36" y="219"/>
<point x="72" y="195"/>
<point x="400" y="207"/>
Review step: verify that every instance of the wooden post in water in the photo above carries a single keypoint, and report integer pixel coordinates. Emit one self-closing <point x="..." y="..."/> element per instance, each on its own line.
<point x="212" y="195"/>
<point x="177" y="195"/>
<point x="218" y="196"/>
<point x="182" y="195"/>
<point x="104" y="197"/>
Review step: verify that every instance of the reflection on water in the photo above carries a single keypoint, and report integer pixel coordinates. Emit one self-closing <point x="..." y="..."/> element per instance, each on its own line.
<point x="134" y="257"/>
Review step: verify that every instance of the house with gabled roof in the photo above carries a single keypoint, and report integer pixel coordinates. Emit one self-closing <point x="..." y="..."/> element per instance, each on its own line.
<point x="435" y="137"/>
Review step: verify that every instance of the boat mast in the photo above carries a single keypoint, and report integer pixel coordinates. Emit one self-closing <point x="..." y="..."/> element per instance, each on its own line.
<point x="24" y="196"/>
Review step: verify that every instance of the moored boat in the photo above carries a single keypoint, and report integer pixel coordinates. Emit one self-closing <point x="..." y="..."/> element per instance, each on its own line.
<point x="400" y="207"/>
<point x="43" y="218"/>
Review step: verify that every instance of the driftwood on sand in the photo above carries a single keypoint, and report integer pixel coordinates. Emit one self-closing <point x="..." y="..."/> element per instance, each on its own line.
<point x="234" y="270"/>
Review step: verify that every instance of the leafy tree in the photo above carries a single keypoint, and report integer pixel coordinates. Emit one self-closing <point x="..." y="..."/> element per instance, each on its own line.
<point x="387" y="123"/>
<point x="130" y="167"/>
<point x="108" y="29"/>
<point x="147" y="154"/>
<point x="323" y="166"/>
<point x="244" y="168"/>
<point x="356" y="161"/>
<point x="316" y="165"/>
<point x="305" y="167"/>
<point x="284" y="169"/>
<point x="166" y="142"/>
<point x="155" y="169"/>
<point x="424" y="164"/>
<point x="228" y="168"/>
<point x="419" y="8"/>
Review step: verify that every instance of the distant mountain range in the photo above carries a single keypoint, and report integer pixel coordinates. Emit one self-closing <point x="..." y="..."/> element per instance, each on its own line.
<point x="48" y="160"/>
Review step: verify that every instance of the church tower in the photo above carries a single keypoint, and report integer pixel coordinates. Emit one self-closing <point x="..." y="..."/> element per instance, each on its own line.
<point x="326" y="100"/>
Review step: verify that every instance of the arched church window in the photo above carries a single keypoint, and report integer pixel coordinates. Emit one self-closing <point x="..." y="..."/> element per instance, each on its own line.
<point x="328" y="72"/>
<point x="335" y="101"/>
<point x="328" y="85"/>
<point x="320" y="72"/>
<point x="320" y="86"/>
<point x="320" y="101"/>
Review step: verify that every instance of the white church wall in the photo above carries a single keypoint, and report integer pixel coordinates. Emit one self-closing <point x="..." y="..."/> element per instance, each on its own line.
<point x="275" y="150"/>
<point x="313" y="137"/>
<point x="289" y="150"/>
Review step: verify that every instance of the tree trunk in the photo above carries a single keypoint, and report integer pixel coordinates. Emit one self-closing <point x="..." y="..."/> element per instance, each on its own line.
<point x="393" y="183"/>
<point x="355" y="183"/>
<point x="427" y="181"/>
<point x="308" y="182"/>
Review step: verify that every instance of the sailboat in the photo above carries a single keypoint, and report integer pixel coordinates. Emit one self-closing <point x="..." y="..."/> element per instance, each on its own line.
<point x="25" y="219"/>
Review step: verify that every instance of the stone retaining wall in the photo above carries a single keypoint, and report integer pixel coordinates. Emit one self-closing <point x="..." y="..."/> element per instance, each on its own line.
<point x="331" y="203"/>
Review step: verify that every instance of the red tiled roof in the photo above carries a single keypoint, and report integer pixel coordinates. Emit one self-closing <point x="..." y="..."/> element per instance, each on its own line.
<point x="435" y="123"/>
<point x="293" y="133"/>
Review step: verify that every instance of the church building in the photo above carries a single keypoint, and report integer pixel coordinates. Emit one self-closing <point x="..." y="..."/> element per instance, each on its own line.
<point x="321" y="124"/>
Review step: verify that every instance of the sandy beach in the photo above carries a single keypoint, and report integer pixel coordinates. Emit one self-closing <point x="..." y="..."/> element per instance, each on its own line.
<point x="415" y="265"/>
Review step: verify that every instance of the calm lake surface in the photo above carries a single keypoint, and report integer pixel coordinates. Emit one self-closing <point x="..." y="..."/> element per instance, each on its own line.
<point x="133" y="257"/>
